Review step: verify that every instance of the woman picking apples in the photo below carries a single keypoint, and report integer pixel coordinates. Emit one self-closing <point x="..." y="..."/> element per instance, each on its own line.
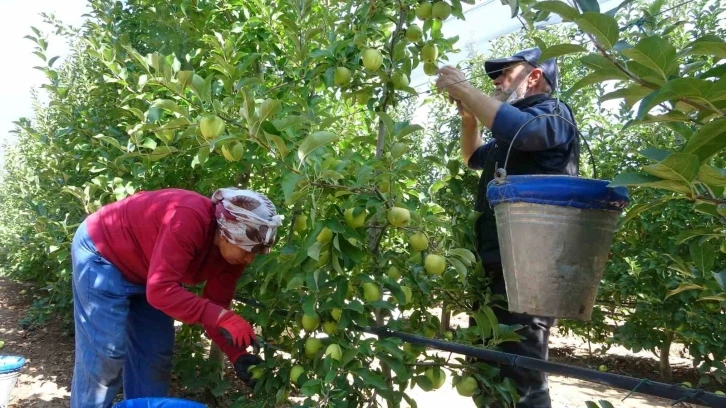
<point x="130" y="260"/>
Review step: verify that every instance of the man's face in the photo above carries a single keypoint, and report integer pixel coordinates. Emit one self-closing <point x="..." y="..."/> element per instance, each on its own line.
<point x="511" y="80"/>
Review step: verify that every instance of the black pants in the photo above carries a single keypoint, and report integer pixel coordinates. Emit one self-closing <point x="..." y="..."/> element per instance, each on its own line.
<point x="531" y="384"/>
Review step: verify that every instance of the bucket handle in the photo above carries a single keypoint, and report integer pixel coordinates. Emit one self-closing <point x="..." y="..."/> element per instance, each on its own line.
<point x="500" y="174"/>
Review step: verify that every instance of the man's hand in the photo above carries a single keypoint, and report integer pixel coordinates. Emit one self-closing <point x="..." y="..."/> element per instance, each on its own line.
<point x="467" y="118"/>
<point x="453" y="82"/>
<point x="242" y="368"/>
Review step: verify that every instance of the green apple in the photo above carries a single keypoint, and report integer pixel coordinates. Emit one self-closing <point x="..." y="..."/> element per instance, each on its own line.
<point x="334" y="352"/>
<point x="371" y="292"/>
<point x="2" y="344"/>
<point x="603" y="368"/>
<point x="301" y="223"/>
<point x="437" y="377"/>
<point x="449" y="335"/>
<point x="312" y="345"/>
<point x="342" y="76"/>
<point x="434" y="264"/>
<point x="212" y="126"/>
<point x="414" y="33"/>
<point x="325" y="235"/>
<point x="355" y="221"/>
<point x="257" y="372"/>
<point x="310" y="323"/>
<point x="424" y="10"/>
<point x="419" y="241"/>
<point x="398" y="217"/>
<point x="441" y="10"/>
<point x="394" y="273"/>
<point x="295" y="372"/>
<point x="719" y="393"/>
<point x="330" y="327"/>
<point x="430" y="53"/>
<point x="467" y="386"/>
<point x="372" y="59"/>
<point x="336" y="313"/>
<point x="400" y="80"/>
<point x="430" y="68"/>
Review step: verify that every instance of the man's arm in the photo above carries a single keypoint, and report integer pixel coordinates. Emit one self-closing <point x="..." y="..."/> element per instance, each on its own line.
<point x="483" y="107"/>
<point x="470" y="140"/>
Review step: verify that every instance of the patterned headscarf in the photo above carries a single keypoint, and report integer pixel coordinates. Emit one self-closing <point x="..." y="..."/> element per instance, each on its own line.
<point x="247" y="218"/>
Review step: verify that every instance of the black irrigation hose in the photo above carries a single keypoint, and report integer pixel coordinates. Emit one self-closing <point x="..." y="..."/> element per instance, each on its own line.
<point x="643" y="386"/>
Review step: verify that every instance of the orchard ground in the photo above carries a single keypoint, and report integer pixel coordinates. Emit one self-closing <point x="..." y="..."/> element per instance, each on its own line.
<point x="45" y="380"/>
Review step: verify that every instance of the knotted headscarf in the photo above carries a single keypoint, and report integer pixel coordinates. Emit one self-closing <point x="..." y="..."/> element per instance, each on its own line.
<point x="247" y="219"/>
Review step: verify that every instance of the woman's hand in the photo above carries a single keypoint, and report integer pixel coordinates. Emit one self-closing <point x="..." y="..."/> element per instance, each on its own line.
<point x="236" y="329"/>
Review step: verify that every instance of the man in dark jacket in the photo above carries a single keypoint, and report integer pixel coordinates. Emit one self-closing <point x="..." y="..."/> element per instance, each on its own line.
<point x="545" y="145"/>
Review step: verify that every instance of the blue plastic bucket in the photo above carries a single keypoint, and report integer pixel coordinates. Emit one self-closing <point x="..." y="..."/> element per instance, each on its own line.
<point x="158" y="403"/>
<point x="554" y="237"/>
<point x="9" y="372"/>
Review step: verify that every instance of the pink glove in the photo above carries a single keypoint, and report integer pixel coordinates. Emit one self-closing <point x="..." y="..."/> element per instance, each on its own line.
<point x="236" y="330"/>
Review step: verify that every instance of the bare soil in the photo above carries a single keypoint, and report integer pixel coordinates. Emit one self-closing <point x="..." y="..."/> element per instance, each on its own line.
<point x="45" y="380"/>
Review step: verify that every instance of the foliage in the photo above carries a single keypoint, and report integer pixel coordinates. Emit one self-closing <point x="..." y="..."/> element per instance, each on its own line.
<point x="125" y="111"/>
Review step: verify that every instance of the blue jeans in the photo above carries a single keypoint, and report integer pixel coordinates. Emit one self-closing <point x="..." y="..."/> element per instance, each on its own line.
<point x="117" y="333"/>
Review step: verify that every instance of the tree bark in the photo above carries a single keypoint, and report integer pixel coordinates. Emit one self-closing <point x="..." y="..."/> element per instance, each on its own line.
<point x="665" y="365"/>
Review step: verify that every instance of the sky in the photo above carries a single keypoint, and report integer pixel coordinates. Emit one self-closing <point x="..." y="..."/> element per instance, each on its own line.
<point x="485" y="21"/>
<point x="16" y="71"/>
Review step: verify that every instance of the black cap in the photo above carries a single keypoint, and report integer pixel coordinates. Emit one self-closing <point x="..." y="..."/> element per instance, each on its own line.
<point x="531" y="56"/>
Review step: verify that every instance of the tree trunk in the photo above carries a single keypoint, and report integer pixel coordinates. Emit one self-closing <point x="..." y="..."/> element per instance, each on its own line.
<point x="445" y="317"/>
<point x="665" y="365"/>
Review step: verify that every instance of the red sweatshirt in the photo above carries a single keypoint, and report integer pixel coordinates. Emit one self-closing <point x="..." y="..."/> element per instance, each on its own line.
<point x="164" y="239"/>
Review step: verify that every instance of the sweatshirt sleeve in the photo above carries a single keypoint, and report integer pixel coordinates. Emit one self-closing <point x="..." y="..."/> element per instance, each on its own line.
<point x="220" y="290"/>
<point x="537" y="134"/>
<point x="181" y="235"/>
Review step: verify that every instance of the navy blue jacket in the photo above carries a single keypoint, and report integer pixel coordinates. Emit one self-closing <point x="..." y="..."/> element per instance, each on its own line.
<point x="547" y="145"/>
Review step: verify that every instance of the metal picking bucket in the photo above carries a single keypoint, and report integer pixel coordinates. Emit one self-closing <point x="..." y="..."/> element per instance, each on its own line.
<point x="554" y="236"/>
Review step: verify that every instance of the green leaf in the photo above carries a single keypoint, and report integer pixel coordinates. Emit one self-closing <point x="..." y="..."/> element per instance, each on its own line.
<point x="588" y="5"/>
<point x="568" y="13"/>
<point x="289" y="183"/>
<point x="513" y="6"/>
<point x="715" y="298"/>
<point x="560" y="50"/>
<point x="370" y="378"/>
<point x="387" y="121"/>
<point x="676" y="90"/>
<point x="201" y="157"/>
<point x="638" y="209"/>
<point x="684" y="287"/>
<point x="646" y="180"/>
<point x="459" y="267"/>
<point x="603" y="27"/>
<point x="712" y="176"/>
<point x="655" y="154"/>
<point x="615" y="10"/>
<point x="717" y="91"/>
<point x="631" y="94"/>
<point x="688" y="234"/>
<point x="606" y="404"/>
<point x="184" y="78"/>
<point x="708" y="140"/>
<point x="677" y="166"/>
<point x="113" y="142"/>
<point x="395" y="364"/>
<point x="703" y="256"/>
<point x="464" y="254"/>
<point x="408" y="130"/>
<point x="710" y="45"/>
<point x="655" y="53"/>
<point x="169" y="105"/>
<point x="269" y="108"/>
<point x="720" y="279"/>
<point x="314" y="141"/>
<point x="591" y="404"/>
